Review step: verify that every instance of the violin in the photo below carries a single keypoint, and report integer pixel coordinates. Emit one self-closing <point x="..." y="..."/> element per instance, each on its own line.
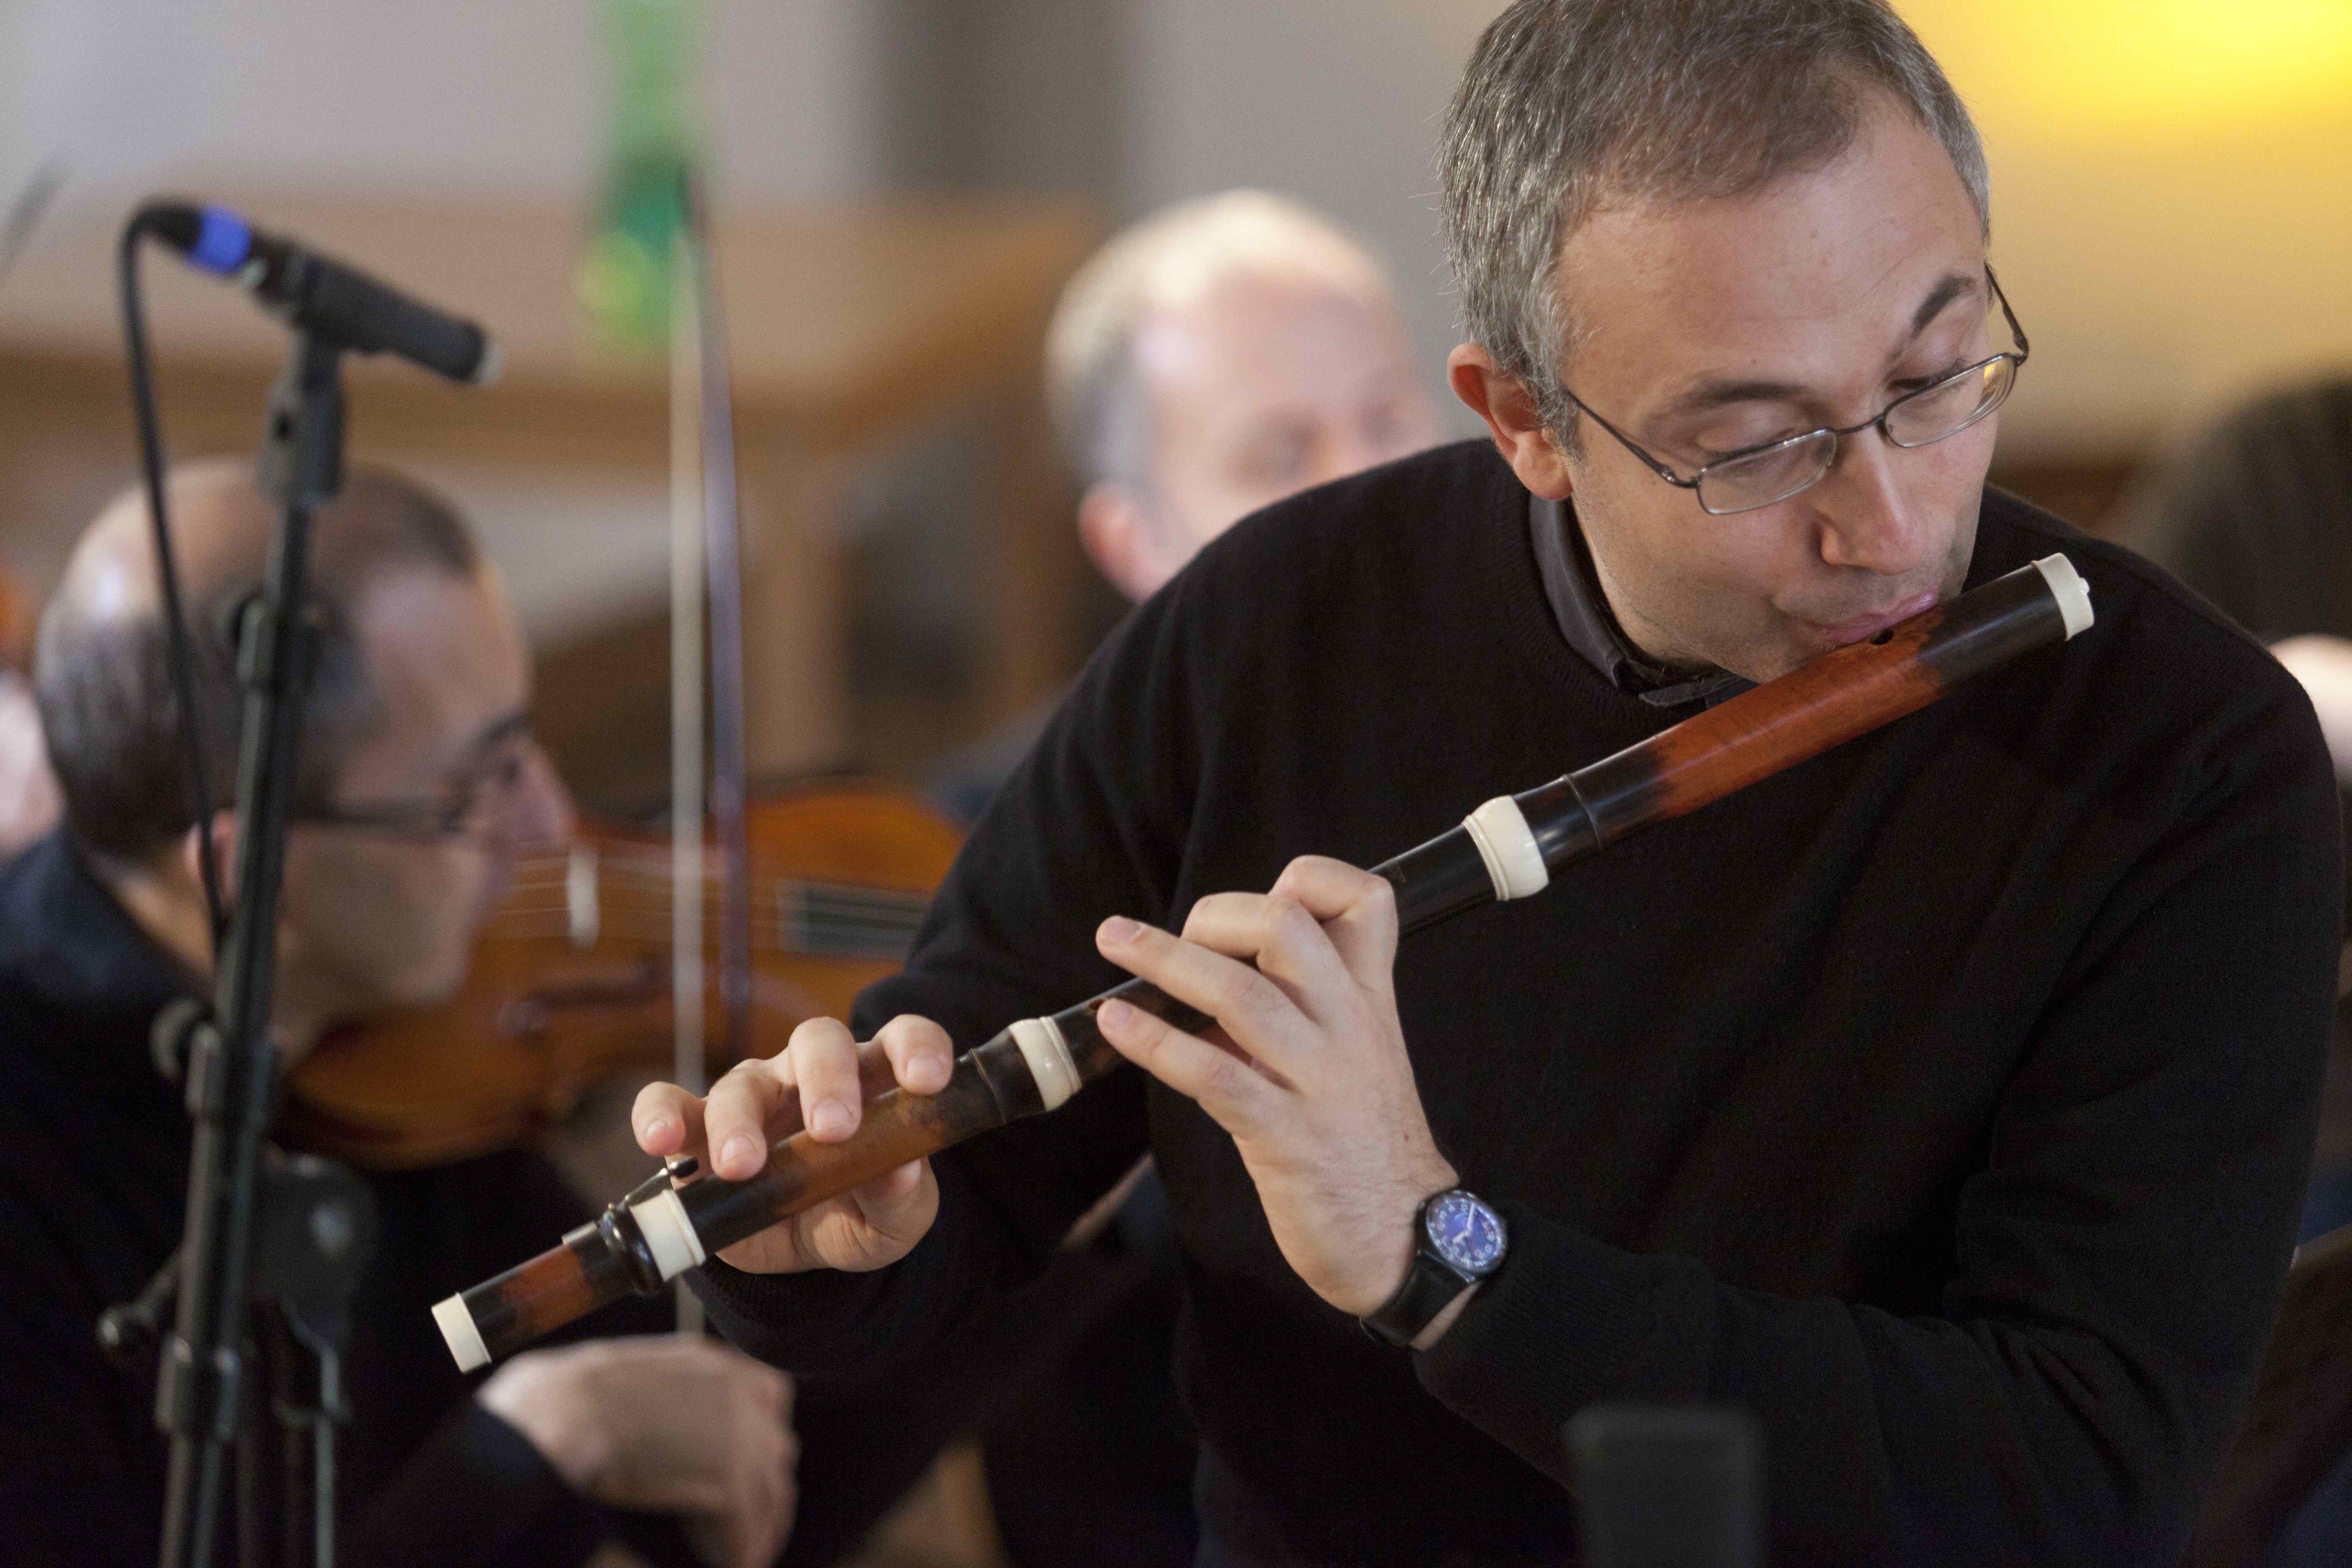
<point x="570" y="973"/>
<point x="20" y="613"/>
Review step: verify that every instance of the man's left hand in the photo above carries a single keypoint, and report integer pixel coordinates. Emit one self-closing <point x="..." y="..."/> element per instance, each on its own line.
<point x="1307" y="1068"/>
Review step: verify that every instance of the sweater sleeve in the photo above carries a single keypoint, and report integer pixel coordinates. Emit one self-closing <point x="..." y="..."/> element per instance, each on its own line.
<point x="477" y="1493"/>
<point x="1092" y="823"/>
<point x="2117" y="1259"/>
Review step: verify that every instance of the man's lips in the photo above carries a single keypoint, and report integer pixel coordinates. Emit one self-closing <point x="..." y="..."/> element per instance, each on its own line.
<point x="1839" y="633"/>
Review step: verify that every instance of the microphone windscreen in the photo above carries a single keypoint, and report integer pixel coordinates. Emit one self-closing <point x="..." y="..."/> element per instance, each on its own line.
<point x="212" y="237"/>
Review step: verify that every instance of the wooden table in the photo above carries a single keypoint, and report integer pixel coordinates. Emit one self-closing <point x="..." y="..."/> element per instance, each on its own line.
<point x="849" y="329"/>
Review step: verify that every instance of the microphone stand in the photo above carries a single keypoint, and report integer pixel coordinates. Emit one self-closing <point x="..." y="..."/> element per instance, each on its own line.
<point x="255" y="1233"/>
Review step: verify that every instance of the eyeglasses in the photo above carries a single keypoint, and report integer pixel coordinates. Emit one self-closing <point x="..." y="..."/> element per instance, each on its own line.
<point x="479" y="804"/>
<point x="1758" y="476"/>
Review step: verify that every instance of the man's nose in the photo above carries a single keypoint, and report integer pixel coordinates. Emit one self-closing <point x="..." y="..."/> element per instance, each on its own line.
<point x="1867" y="520"/>
<point x="542" y="812"/>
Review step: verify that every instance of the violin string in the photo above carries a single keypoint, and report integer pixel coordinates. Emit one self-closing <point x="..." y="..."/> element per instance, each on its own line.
<point x="819" y="916"/>
<point x="636" y="892"/>
<point x="652" y="862"/>
<point x="656" y="859"/>
<point x="770" y="938"/>
<point x="812" y="905"/>
<point x="811" y="899"/>
<point x="531" y="876"/>
<point x="556" y="912"/>
<point x="650" y="926"/>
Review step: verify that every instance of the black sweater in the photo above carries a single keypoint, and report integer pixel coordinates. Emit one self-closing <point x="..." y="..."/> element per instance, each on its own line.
<point x="1946" y="1100"/>
<point x="94" y="1184"/>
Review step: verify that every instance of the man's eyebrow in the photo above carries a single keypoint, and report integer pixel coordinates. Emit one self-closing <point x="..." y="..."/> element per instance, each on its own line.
<point x="1715" y="394"/>
<point x="1952" y="286"/>
<point x="1707" y="395"/>
<point x="491" y="735"/>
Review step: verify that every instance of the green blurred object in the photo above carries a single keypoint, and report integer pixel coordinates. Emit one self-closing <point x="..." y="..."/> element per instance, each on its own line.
<point x="624" y="279"/>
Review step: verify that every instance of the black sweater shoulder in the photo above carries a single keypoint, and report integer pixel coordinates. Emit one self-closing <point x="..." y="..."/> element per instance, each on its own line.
<point x="1370" y="556"/>
<point x="2166" y="690"/>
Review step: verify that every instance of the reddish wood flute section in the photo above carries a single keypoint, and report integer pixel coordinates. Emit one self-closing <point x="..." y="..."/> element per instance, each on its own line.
<point x="1839" y="696"/>
<point x="1506" y="849"/>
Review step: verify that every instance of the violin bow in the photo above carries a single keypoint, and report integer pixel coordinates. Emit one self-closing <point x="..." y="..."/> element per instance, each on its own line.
<point x="723" y="535"/>
<point x="706" y="557"/>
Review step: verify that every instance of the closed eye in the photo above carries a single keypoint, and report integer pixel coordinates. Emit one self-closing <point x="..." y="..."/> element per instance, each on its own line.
<point x="1921" y="383"/>
<point x="1708" y="455"/>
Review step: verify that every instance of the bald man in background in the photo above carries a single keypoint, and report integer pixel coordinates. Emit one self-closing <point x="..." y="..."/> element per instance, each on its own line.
<point x="1211" y="358"/>
<point x="1215" y="358"/>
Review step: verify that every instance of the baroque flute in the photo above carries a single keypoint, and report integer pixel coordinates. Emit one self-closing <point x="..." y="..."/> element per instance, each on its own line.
<point x="1508" y="849"/>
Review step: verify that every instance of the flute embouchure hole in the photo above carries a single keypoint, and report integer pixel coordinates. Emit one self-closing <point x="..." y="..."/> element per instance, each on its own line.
<point x="1882" y="639"/>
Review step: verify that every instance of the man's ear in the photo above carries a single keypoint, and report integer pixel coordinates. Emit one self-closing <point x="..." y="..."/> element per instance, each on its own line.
<point x="1122" y="541"/>
<point x="1503" y="401"/>
<point x="191" y="855"/>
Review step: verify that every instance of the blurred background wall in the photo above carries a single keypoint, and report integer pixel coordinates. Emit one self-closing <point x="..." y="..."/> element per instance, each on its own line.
<point x="425" y="95"/>
<point x="2170" y="178"/>
<point x="2169" y="174"/>
<point x="2169" y="200"/>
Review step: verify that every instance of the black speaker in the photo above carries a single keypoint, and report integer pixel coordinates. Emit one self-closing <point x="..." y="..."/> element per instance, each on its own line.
<point x="1667" y="1486"/>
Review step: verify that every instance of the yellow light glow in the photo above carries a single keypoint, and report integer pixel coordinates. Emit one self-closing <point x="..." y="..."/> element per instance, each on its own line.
<point x="2143" y="66"/>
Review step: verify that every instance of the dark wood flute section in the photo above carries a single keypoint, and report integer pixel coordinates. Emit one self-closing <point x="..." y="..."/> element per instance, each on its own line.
<point x="1839" y="696"/>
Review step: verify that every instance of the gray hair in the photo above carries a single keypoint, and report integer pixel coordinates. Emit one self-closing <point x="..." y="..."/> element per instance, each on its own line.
<point x="103" y="680"/>
<point x="1163" y="261"/>
<point x="1568" y="104"/>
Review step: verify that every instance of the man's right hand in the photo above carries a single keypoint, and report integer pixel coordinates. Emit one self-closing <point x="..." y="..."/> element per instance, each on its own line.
<point x="667" y="1424"/>
<point x="815" y="1082"/>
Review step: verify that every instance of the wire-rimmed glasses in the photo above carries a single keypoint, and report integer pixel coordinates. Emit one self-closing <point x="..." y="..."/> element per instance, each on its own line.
<point x="1742" y="482"/>
<point x="477" y="804"/>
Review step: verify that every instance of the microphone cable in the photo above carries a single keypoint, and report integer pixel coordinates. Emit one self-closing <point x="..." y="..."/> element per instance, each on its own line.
<point x="195" y="753"/>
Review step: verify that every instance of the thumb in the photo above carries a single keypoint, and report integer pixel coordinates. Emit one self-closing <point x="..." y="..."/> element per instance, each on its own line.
<point x="873" y="1225"/>
<point x="900" y="1205"/>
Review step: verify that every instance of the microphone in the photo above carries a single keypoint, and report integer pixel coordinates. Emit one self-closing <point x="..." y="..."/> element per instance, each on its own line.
<point x="320" y="294"/>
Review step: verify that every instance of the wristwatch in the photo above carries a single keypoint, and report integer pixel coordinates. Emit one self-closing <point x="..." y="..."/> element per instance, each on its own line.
<point x="1458" y="1240"/>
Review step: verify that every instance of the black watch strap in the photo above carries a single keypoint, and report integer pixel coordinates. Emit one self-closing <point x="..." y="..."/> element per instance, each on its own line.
<point x="1429" y="1287"/>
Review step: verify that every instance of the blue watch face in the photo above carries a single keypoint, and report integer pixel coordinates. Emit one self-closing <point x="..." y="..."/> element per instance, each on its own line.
<point x="1465" y="1233"/>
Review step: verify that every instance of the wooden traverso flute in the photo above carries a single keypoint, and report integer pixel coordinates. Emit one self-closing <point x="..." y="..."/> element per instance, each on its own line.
<point x="1508" y="849"/>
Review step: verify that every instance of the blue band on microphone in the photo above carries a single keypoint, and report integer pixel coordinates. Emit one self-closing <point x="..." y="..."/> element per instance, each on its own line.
<point x="223" y="243"/>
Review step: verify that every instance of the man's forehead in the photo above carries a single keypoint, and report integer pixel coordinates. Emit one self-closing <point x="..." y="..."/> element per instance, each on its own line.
<point x="1854" y="248"/>
<point x="1242" y="308"/>
<point x="1281" y="354"/>
<point x="445" y="657"/>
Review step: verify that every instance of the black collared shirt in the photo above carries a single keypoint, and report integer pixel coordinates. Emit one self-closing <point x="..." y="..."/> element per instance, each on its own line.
<point x="1582" y="613"/>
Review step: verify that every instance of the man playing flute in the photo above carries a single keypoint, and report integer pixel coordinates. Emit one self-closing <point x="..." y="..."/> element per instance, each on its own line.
<point x="1943" y="1101"/>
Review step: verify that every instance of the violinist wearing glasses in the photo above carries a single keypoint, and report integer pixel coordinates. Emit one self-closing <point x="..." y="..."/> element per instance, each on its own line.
<point x="420" y="784"/>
